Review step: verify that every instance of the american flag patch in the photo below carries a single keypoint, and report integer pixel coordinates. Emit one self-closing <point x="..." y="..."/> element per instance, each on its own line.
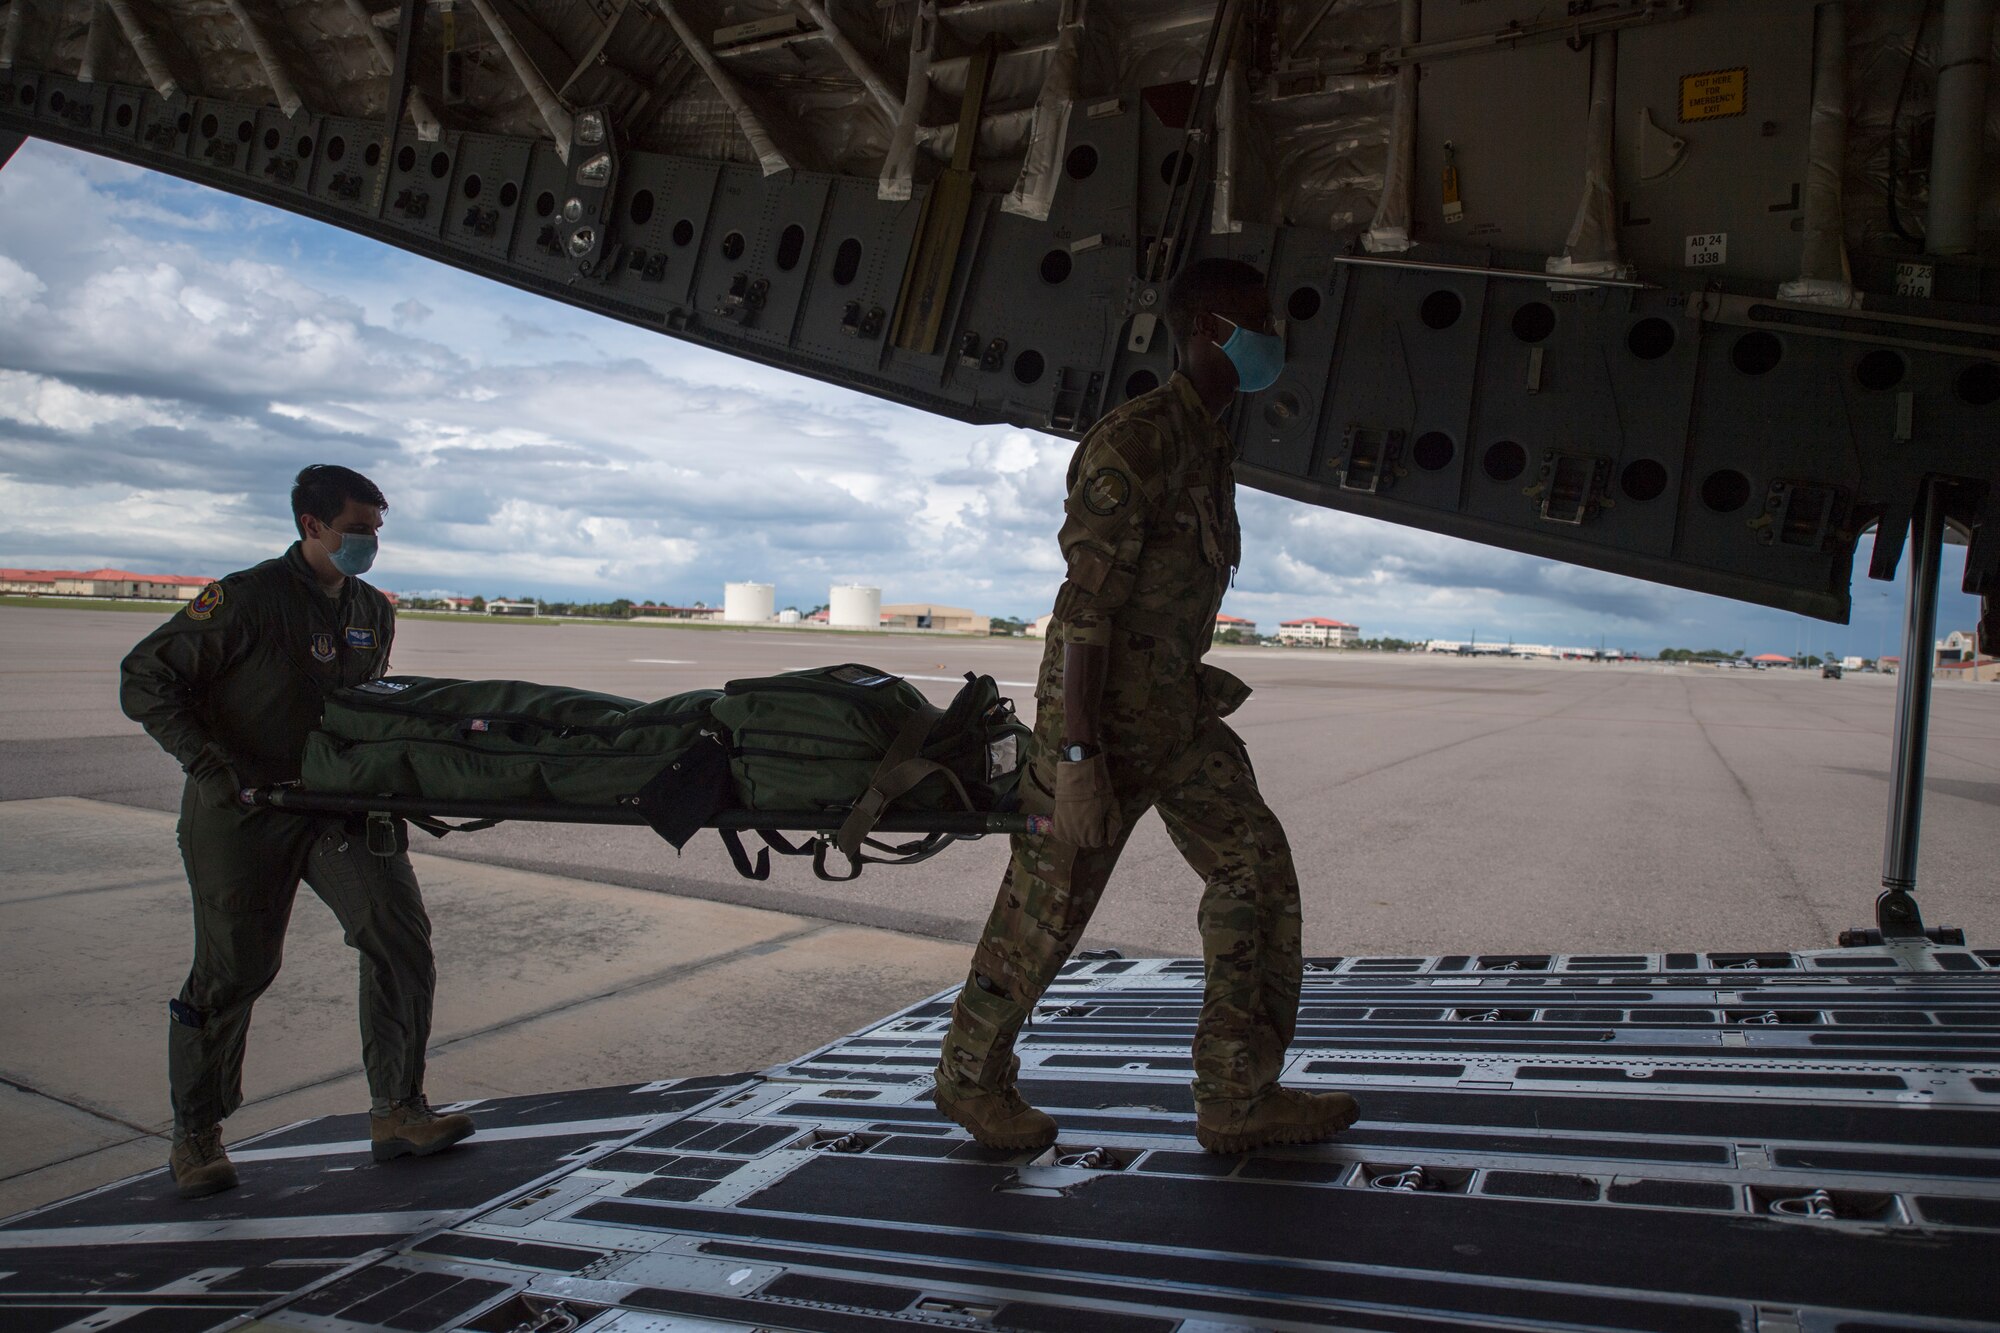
<point x="479" y="724"/>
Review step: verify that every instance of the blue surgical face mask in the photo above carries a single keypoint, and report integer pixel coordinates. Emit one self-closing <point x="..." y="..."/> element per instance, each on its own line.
<point x="1258" y="357"/>
<point x="355" y="553"/>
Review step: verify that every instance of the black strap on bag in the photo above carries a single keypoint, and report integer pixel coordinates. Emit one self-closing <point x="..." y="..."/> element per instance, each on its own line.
<point x="896" y="854"/>
<point x="773" y="842"/>
<point x="437" y="828"/>
<point x="740" y="858"/>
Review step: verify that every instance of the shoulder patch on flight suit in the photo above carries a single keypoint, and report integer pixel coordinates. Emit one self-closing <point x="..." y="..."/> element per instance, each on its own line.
<point x="205" y="602"/>
<point x="322" y="646"/>
<point x="1106" y="491"/>
<point x="360" y="638"/>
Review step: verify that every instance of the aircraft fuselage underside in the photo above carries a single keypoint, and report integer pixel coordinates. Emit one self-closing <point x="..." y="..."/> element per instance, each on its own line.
<point x="1686" y="434"/>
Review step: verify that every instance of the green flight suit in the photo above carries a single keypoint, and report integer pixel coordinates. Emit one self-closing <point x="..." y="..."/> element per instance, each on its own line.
<point x="230" y="686"/>
<point x="1150" y="540"/>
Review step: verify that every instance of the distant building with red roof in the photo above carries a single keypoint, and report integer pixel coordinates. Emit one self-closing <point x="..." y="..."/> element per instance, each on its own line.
<point x="119" y="583"/>
<point x="1318" y="632"/>
<point x="1225" y="624"/>
<point x="1770" y="659"/>
<point x="1973" y="668"/>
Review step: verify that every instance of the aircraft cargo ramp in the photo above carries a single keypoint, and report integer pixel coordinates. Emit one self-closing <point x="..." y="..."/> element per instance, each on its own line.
<point x="1751" y="1142"/>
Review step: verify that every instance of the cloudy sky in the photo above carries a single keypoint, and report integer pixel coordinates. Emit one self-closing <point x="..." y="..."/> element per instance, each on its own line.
<point x="170" y="356"/>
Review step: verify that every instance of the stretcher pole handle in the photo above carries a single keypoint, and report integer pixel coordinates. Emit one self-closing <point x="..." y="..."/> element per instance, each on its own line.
<point x="964" y="824"/>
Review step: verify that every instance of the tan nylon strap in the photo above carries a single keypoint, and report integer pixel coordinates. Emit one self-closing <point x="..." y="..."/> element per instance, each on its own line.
<point x="884" y="791"/>
<point x="907" y="745"/>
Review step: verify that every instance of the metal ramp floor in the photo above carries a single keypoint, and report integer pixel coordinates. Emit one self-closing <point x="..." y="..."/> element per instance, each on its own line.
<point x="1755" y="1142"/>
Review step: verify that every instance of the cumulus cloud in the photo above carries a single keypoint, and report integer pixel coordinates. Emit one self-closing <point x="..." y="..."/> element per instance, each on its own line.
<point x="19" y="289"/>
<point x="169" y="358"/>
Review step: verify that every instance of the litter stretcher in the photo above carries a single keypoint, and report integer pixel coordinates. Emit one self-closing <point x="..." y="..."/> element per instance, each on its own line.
<point x="845" y="755"/>
<point x="934" y="830"/>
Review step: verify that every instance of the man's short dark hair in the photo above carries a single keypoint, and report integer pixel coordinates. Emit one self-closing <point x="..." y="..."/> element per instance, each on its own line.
<point x="324" y="489"/>
<point x="1203" y="286"/>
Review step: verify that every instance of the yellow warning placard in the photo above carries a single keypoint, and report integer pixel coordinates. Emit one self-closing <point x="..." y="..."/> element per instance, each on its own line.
<point x="1715" y="94"/>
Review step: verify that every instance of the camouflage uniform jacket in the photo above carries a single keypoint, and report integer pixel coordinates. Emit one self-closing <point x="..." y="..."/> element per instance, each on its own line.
<point x="1151" y="542"/>
<point x="241" y="672"/>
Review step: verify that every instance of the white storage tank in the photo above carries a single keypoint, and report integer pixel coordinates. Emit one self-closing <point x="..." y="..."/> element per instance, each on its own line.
<point x="851" y="606"/>
<point x="748" y="603"/>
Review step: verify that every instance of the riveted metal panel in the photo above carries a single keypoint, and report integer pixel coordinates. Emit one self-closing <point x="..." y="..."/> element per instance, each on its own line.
<point x="1789" y="423"/>
<point x="285" y="150"/>
<point x="857" y="270"/>
<point x="1520" y="174"/>
<point x="221" y="135"/>
<point x="346" y="177"/>
<point x="682" y="191"/>
<point x="1742" y="175"/>
<point x="123" y="112"/>
<point x="1278" y="427"/>
<point x="1556" y="377"/>
<point x="1095" y="191"/>
<point x="485" y="199"/>
<point x="537" y="245"/>
<point x="1014" y="292"/>
<point x="417" y="189"/>
<point x="72" y="102"/>
<point x="166" y="128"/>
<point x="743" y="280"/>
<point x="1406" y="360"/>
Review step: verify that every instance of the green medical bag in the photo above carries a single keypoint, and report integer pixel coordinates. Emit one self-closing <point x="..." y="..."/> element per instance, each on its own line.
<point x="497" y="740"/>
<point x="852" y="736"/>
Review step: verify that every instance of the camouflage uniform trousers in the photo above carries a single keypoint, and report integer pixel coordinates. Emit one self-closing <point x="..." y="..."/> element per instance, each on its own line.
<point x="1207" y="796"/>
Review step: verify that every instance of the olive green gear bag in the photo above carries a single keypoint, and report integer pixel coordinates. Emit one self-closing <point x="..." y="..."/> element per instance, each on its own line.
<point x="866" y="742"/>
<point x="498" y="740"/>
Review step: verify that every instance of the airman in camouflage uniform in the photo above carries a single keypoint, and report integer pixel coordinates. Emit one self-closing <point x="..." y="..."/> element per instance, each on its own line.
<point x="1151" y="541"/>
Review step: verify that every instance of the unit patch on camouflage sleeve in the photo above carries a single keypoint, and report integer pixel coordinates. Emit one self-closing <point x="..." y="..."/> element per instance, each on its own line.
<point x="1107" y="491"/>
<point x="205" y="602"/>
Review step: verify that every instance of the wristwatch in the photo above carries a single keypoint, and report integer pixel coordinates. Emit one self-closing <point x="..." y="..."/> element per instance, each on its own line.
<point x="1078" y="751"/>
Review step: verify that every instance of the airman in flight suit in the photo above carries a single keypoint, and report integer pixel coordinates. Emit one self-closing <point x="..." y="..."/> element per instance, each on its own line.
<point x="1129" y="718"/>
<point x="230" y="686"/>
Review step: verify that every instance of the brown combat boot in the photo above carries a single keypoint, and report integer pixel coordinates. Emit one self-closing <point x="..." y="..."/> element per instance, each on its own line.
<point x="199" y="1165"/>
<point x="997" y="1118"/>
<point x="412" y="1129"/>
<point x="1277" y="1115"/>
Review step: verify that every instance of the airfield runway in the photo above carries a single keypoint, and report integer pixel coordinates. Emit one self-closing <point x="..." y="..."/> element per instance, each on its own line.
<point x="1434" y="806"/>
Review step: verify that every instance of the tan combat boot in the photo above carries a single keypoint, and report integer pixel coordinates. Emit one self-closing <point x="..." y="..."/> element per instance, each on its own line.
<point x="412" y="1129"/>
<point x="1277" y="1115"/>
<point x="997" y="1118"/>
<point x="199" y="1165"/>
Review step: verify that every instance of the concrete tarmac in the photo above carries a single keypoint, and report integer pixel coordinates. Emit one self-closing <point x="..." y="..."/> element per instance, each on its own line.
<point x="1434" y="806"/>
